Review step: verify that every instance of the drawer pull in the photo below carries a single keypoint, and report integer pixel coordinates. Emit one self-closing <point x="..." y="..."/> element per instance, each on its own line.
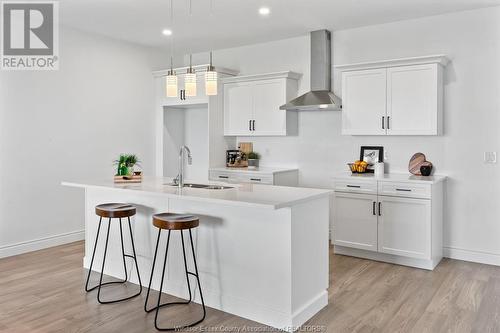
<point x="403" y="190"/>
<point x="354" y="186"/>
<point x="256" y="179"/>
<point x="224" y="177"/>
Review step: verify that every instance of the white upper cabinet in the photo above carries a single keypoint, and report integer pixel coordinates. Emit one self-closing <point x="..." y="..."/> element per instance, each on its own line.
<point x="181" y="98"/>
<point x="414" y="100"/>
<point x="251" y="104"/>
<point x="238" y="97"/>
<point x="394" y="97"/>
<point x="363" y="102"/>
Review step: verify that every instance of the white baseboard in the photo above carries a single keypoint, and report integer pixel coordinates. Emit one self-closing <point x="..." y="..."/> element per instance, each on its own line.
<point x="41" y="243"/>
<point x="309" y="310"/>
<point x="473" y="256"/>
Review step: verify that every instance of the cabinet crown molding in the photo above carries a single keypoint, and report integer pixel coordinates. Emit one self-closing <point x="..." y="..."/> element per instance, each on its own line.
<point x="265" y="76"/>
<point x="440" y="59"/>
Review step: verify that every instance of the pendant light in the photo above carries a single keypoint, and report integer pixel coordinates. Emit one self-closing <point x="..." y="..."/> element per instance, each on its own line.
<point x="211" y="74"/>
<point x="211" y="79"/>
<point x="190" y="79"/>
<point x="171" y="79"/>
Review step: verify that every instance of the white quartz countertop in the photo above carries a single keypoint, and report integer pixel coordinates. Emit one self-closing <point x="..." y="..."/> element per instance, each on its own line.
<point x="393" y="177"/>
<point x="254" y="195"/>
<point x="263" y="170"/>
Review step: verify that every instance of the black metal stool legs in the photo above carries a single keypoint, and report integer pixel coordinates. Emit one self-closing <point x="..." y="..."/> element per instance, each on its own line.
<point x="134" y="256"/>
<point x="159" y="305"/>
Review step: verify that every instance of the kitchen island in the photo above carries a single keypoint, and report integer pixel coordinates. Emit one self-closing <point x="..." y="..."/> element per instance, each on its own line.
<point x="262" y="250"/>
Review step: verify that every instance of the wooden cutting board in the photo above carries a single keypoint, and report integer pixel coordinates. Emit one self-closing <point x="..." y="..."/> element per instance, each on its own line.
<point x="121" y="180"/>
<point x="416" y="161"/>
<point x="245" y="147"/>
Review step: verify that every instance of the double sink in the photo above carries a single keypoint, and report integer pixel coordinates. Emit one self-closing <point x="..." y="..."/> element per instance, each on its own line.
<point x="203" y="186"/>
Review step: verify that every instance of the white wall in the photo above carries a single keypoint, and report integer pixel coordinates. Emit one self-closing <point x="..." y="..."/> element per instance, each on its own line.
<point x="69" y="124"/>
<point x="186" y="126"/>
<point x="472" y="95"/>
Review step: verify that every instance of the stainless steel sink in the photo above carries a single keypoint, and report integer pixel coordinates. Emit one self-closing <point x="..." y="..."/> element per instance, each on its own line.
<point x="203" y="186"/>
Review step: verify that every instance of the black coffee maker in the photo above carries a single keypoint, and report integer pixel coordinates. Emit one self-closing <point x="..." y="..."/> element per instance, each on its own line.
<point x="232" y="156"/>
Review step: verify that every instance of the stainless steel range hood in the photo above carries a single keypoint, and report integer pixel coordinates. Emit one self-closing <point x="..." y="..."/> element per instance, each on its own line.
<point x="320" y="97"/>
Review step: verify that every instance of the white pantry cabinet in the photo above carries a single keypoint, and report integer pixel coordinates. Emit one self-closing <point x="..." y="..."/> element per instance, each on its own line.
<point x="251" y="104"/>
<point x="400" y="223"/>
<point x="396" y="97"/>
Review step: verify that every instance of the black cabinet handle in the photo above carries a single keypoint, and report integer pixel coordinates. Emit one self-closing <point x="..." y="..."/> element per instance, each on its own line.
<point x="403" y="190"/>
<point x="379" y="209"/>
<point x="388" y="122"/>
<point x="383" y="121"/>
<point x="354" y="186"/>
<point x="256" y="179"/>
<point x="224" y="177"/>
<point x="249" y="125"/>
<point x="253" y="127"/>
<point x="373" y="209"/>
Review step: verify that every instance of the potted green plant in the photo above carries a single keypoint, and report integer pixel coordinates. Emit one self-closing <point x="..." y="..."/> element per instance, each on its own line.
<point x="253" y="160"/>
<point x="125" y="164"/>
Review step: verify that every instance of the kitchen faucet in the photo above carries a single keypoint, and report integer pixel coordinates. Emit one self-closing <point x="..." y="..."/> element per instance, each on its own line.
<point x="180" y="177"/>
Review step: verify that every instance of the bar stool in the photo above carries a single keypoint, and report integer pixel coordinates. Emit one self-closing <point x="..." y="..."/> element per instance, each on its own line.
<point x="181" y="222"/>
<point x="114" y="211"/>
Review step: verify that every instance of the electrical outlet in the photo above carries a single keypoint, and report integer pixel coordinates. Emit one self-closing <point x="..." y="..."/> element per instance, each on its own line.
<point x="490" y="157"/>
<point x="386" y="155"/>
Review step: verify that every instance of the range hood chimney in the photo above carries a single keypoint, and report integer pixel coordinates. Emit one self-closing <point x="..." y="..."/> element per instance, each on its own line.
<point x="320" y="97"/>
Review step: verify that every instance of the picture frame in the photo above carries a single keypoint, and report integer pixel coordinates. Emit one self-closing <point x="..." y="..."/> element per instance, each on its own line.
<point x="372" y="155"/>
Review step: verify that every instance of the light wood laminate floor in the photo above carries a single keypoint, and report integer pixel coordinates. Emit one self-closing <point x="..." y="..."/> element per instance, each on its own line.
<point x="43" y="292"/>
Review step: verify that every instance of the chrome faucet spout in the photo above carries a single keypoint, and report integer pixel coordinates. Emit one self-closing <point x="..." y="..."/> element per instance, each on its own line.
<point x="182" y="153"/>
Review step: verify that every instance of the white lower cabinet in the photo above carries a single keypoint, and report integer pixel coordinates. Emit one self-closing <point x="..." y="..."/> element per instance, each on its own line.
<point x="402" y="228"/>
<point x="356" y="221"/>
<point x="265" y="176"/>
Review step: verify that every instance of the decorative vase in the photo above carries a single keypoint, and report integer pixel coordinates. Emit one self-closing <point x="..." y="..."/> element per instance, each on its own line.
<point x="253" y="164"/>
<point x="124" y="170"/>
<point x="426" y="170"/>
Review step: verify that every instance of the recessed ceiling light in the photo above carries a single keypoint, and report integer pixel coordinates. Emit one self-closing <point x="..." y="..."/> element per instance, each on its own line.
<point x="264" y="11"/>
<point x="167" y="32"/>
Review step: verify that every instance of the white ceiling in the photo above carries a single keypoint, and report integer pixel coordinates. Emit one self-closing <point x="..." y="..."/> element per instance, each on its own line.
<point x="237" y="22"/>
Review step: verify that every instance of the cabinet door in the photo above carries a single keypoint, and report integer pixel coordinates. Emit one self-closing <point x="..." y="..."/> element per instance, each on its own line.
<point x="268" y="96"/>
<point x="404" y="227"/>
<point x="355" y="221"/>
<point x="412" y="100"/>
<point x="238" y="108"/>
<point x="180" y="100"/>
<point x="364" y="102"/>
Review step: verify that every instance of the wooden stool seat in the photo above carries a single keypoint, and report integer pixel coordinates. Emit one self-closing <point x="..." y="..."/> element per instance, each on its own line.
<point x="115" y="210"/>
<point x="172" y="221"/>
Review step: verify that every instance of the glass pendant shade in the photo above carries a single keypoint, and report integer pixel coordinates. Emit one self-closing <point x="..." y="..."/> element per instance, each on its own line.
<point x="211" y="83"/>
<point x="190" y="84"/>
<point x="171" y="85"/>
